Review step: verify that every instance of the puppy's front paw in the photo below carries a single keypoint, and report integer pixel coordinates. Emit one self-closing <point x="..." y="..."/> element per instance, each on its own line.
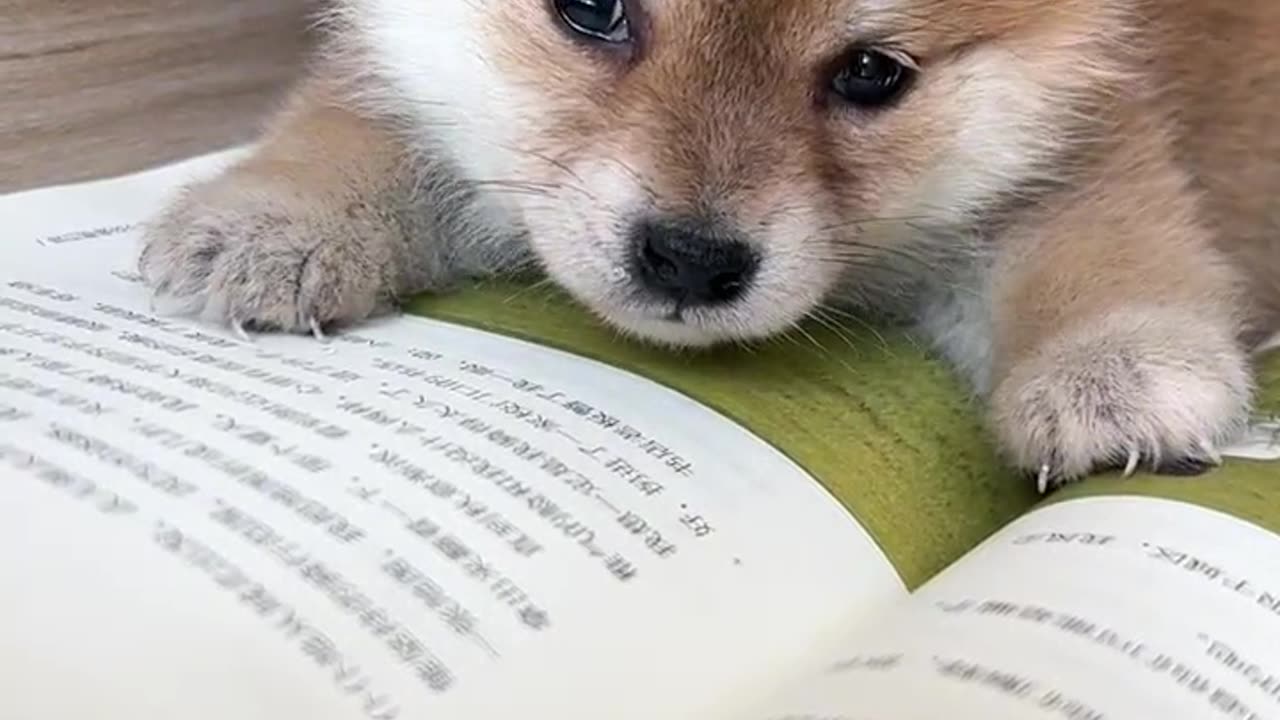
<point x="1144" y="388"/>
<point x="265" y="256"/>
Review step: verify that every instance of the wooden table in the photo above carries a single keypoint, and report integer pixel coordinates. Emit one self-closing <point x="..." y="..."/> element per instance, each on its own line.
<point x="90" y="88"/>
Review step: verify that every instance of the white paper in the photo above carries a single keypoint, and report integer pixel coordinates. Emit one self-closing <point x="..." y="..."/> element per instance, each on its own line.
<point x="1261" y="441"/>
<point x="414" y="521"/>
<point x="1110" y="608"/>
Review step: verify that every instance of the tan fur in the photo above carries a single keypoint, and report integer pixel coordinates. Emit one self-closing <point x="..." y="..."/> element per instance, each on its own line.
<point x="357" y="153"/>
<point x="1227" y="139"/>
<point x="1084" y="191"/>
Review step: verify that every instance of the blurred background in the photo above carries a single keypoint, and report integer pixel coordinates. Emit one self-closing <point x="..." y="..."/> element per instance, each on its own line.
<point x="92" y="88"/>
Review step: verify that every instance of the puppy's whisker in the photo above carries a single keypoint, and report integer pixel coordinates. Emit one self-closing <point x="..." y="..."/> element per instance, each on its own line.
<point x="824" y="310"/>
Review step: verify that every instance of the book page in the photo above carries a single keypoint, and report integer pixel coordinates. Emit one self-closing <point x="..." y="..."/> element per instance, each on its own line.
<point x="412" y="520"/>
<point x="1261" y="441"/>
<point x="1103" y="608"/>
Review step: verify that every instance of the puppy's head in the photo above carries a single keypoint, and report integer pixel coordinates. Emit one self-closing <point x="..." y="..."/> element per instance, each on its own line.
<point x="706" y="170"/>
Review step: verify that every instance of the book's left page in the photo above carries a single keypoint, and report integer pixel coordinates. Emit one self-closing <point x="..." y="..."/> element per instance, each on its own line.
<point x="415" y="519"/>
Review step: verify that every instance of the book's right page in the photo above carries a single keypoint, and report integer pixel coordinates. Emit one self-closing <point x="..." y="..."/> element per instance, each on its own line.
<point x="1152" y="597"/>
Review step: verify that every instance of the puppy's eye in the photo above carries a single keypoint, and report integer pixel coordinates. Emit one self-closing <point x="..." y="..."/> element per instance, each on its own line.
<point x="870" y="79"/>
<point x="604" y="20"/>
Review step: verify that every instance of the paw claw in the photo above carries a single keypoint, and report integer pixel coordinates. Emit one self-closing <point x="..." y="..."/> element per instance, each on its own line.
<point x="316" y="331"/>
<point x="1132" y="466"/>
<point x="1042" y="481"/>
<point x="237" y="327"/>
<point x="1210" y="452"/>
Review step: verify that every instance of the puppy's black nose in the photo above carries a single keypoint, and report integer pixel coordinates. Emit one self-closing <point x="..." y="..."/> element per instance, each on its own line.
<point x="681" y="262"/>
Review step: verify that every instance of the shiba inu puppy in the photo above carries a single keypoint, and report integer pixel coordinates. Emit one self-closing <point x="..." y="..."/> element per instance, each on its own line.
<point x="1074" y="201"/>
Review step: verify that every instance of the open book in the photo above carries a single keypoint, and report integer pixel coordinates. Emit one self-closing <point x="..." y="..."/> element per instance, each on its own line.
<point x="492" y="507"/>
